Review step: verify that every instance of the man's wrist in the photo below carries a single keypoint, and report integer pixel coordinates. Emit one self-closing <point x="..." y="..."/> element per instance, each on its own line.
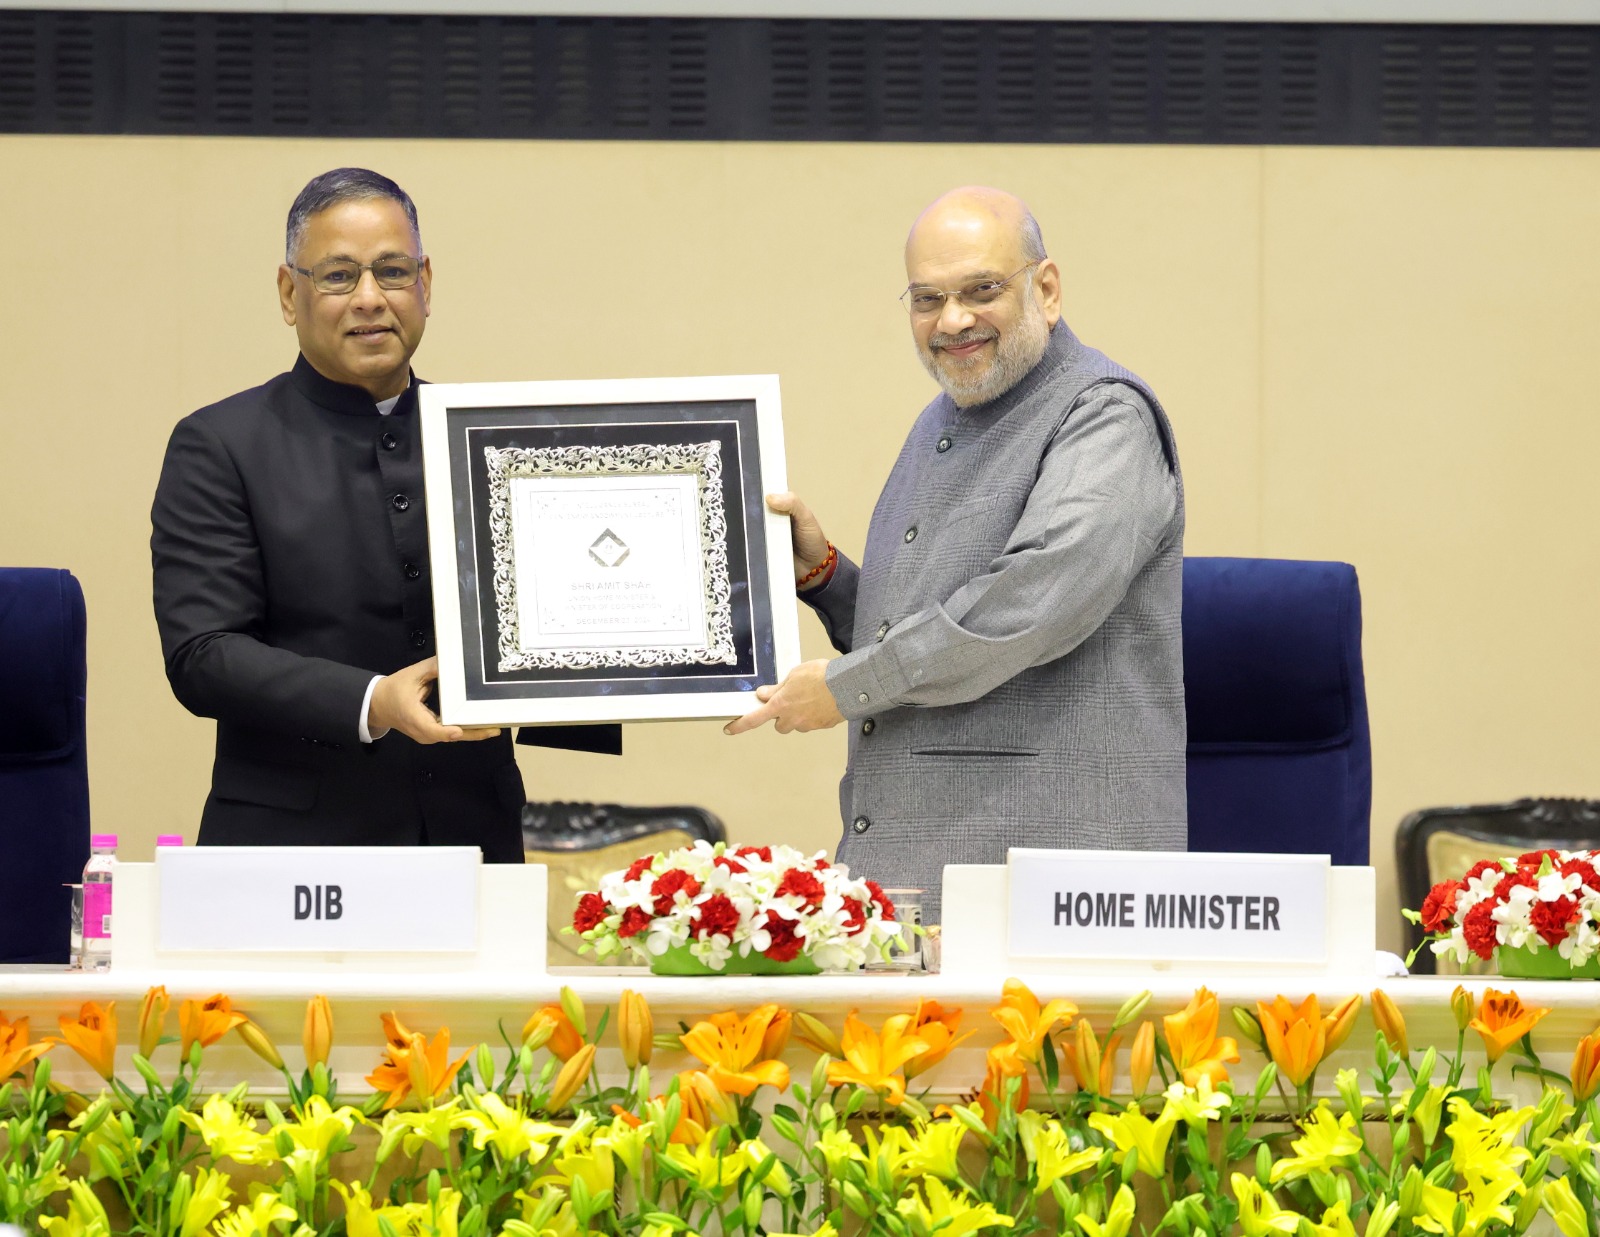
<point x="363" y="727"/>
<point x="820" y="574"/>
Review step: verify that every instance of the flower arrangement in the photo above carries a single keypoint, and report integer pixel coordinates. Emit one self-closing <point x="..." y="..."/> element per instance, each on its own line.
<point x="527" y="1141"/>
<point x="719" y="904"/>
<point x="1541" y="901"/>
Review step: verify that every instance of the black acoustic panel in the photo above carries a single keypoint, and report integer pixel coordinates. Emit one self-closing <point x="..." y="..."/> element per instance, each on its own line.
<point x="381" y="75"/>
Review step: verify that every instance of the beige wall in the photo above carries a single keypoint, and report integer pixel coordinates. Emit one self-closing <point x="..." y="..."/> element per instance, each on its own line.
<point x="1383" y="356"/>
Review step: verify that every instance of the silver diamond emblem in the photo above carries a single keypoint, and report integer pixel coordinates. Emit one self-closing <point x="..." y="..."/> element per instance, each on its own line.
<point x="608" y="549"/>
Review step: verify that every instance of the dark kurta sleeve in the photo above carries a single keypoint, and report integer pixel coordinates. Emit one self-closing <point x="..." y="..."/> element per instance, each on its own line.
<point x="835" y="603"/>
<point x="211" y="606"/>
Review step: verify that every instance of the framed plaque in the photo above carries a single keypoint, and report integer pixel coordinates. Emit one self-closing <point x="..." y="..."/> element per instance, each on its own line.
<point x="602" y="551"/>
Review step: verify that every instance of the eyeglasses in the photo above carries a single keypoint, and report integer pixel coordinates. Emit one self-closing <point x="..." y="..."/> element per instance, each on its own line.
<point x="925" y="302"/>
<point x="340" y="276"/>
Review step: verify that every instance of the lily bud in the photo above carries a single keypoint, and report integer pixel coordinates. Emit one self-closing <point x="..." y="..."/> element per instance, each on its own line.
<point x="152" y="1018"/>
<point x="572" y="1076"/>
<point x="1249" y="1025"/>
<point x="1142" y="1058"/>
<point x="317" y="1037"/>
<point x="1131" y="1009"/>
<point x="1463" y="1007"/>
<point x="537" y="1030"/>
<point x="572" y="1006"/>
<point x="1390" y="1023"/>
<point x="1087" y="1053"/>
<point x="1338" y="1025"/>
<point x="256" y="1040"/>
<point x="710" y="1099"/>
<point x="776" y="1038"/>
<point x="635" y="1029"/>
<point x="1586" y="1067"/>
<point x="814" y="1033"/>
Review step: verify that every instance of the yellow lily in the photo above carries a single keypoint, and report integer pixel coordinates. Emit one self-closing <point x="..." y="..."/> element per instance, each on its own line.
<point x="730" y="1047"/>
<point x="1047" y="1145"/>
<point x="1325" y="1142"/>
<point x="110" y="1140"/>
<point x="85" y="1217"/>
<point x="511" y="1133"/>
<point x="1562" y="1203"/>
<point x="948" y="1214"/>
<point x="228" y="1133"/>
<point x="1335" y="1223"/>
<point x="1119" y="1218"/>
<point x="873" y="1059"/>
<point x="207" y="1198"/>
<point x="361" y="1217"/>
<point x="415" y="1130"/>
<point x="1259" y="1213"/>
<point x="266" y="1209"/>
<point x="1131" y="1130"/>
<point x="1027" y="1022"/>
<point x="589" y="1160"/>
<point x="1483" y="1145"/>
<point x="1485" y="1205"/>
<point x="711" y="1171"/>
<point x="1197" y="1106"/>
<point x="937" y="1150"/>
<point x="321" y="1129"/>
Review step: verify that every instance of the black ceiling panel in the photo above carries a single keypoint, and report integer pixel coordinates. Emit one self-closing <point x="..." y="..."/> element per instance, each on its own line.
<point x="378" y="75"/>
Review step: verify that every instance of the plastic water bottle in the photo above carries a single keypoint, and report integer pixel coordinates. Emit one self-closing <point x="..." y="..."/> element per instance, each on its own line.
<point x="169" y="839"/>
<point x="97" y="874"/>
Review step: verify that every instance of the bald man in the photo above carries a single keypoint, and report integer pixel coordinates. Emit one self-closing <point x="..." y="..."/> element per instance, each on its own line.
<point x="1012" y="660"/>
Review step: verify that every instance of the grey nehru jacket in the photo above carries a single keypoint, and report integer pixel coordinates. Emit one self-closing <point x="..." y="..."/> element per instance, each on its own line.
<point x="1012" y="669"/>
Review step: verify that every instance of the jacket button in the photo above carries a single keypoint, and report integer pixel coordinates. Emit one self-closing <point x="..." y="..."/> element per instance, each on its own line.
<point x="868" y="726"/>
<point x="389" y="442"/>
<point x="883" y="629"/>
<point x="862" y="697"/>
<point x="412" y="571"/>
<point x="911" y="534"/>
<point x="400" y="502"/>
<point x="861" y="824"/>
<point x="419" y="638"/>
<point x="943" y="444"/>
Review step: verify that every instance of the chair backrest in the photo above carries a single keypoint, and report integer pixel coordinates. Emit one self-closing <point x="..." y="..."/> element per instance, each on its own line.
<point x="1441" y="843"/>
<point x="1280" y="757"/>
<point x="44" y="773"/>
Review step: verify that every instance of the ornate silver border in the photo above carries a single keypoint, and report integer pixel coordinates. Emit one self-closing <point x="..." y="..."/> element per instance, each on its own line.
<point x="701" y="459"/>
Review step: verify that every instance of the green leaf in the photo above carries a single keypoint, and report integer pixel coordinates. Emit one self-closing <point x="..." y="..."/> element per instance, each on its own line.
<point x="1052" y="1068"/>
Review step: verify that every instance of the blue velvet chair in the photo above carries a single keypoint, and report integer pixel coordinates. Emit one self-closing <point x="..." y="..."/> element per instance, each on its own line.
<point x="1280" y="758"/>
<point x="44" y="774"/>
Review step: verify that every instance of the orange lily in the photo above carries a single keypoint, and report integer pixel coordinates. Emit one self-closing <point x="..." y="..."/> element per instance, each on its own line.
<point x="1502" y="1020"/>
<point x="1338" y="1024"/>
<point x="1197" y="1049"/>
<point x="936" y="1027"/>
<point x="153" y="1019"/>
<point x="873" y="1059"/>
<point x="15" y="1050"/>
<point x="636" y="1029"/>
<point x="92" y="1035"/>
<point x="1389" y="1021"/>
<point x="1003" y="1062"/>
<point x="1021" y="1017"/>
<point x="1296" y="1036"/>
<point x="317" y="1036"/>
<point x="551" y="1027"/>
<point x="776" y="1040"/>
<point x="571" y="1077"/>
<point x="206" y="1021"/>
<point x="1142" y="1058"/>
<point x="411" y="1064"/>
<point x="731" y="1046"/>
<point x="1585" y="1068"/>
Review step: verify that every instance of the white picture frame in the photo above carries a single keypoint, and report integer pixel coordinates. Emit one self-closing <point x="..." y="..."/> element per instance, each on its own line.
<point x="536" y="621"/>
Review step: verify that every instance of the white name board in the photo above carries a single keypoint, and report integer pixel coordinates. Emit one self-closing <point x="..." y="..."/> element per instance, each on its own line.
<point x="1168" y="905"/>
<point x="317" y="899"/>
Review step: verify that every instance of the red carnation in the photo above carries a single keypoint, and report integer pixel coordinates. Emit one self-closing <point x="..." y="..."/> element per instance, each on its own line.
<point x="855" y="916"/>
<point x="1583" y="870"/>
<point x="1439" y="907"/>
<point x="1550" y="919"/>
<point x="1479" y="868"/>
<point x="786" y="941"/>
<point x="634" y="921"/>
<point x="717" y="916"/>
<point x="885" y="907"/>
<point x="763" y="853"/>
<point x="802" y="885"/>
<point x="821" y="865"/>
<point x="1479" y="929"/>
<point x="638" y="867"/>
<point x="732" y="865"/>
<point x="1520" y="879"/>
<point x="669" y="884"/>
<point x="1534" y="858"/>
<point x="592" y="909"/>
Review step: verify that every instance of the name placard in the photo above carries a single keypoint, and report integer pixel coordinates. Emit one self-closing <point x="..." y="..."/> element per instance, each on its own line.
<point x="1166" y="905"/>
<point x="318" y="899"/>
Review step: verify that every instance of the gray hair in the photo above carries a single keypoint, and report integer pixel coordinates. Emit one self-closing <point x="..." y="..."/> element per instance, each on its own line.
<point x="1032" y="238"/>
<point x="342" y="185"/>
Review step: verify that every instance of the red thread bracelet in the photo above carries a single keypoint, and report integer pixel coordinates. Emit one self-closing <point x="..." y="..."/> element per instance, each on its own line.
<point x="824" y="569"/>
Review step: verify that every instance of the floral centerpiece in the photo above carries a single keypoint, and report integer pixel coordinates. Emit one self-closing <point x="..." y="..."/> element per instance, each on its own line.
<point x="1538" y="913"/>
<point x="710" y="909"/>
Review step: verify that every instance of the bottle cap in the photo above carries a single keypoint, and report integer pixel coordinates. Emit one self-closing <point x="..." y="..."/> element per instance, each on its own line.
<point x="169" y="839"/>
<point x="103" y="841"/>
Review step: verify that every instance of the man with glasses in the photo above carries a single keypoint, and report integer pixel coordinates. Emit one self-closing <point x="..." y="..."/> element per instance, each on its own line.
<point x="292" y="586"/>
<point x="1012" y="660"/>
